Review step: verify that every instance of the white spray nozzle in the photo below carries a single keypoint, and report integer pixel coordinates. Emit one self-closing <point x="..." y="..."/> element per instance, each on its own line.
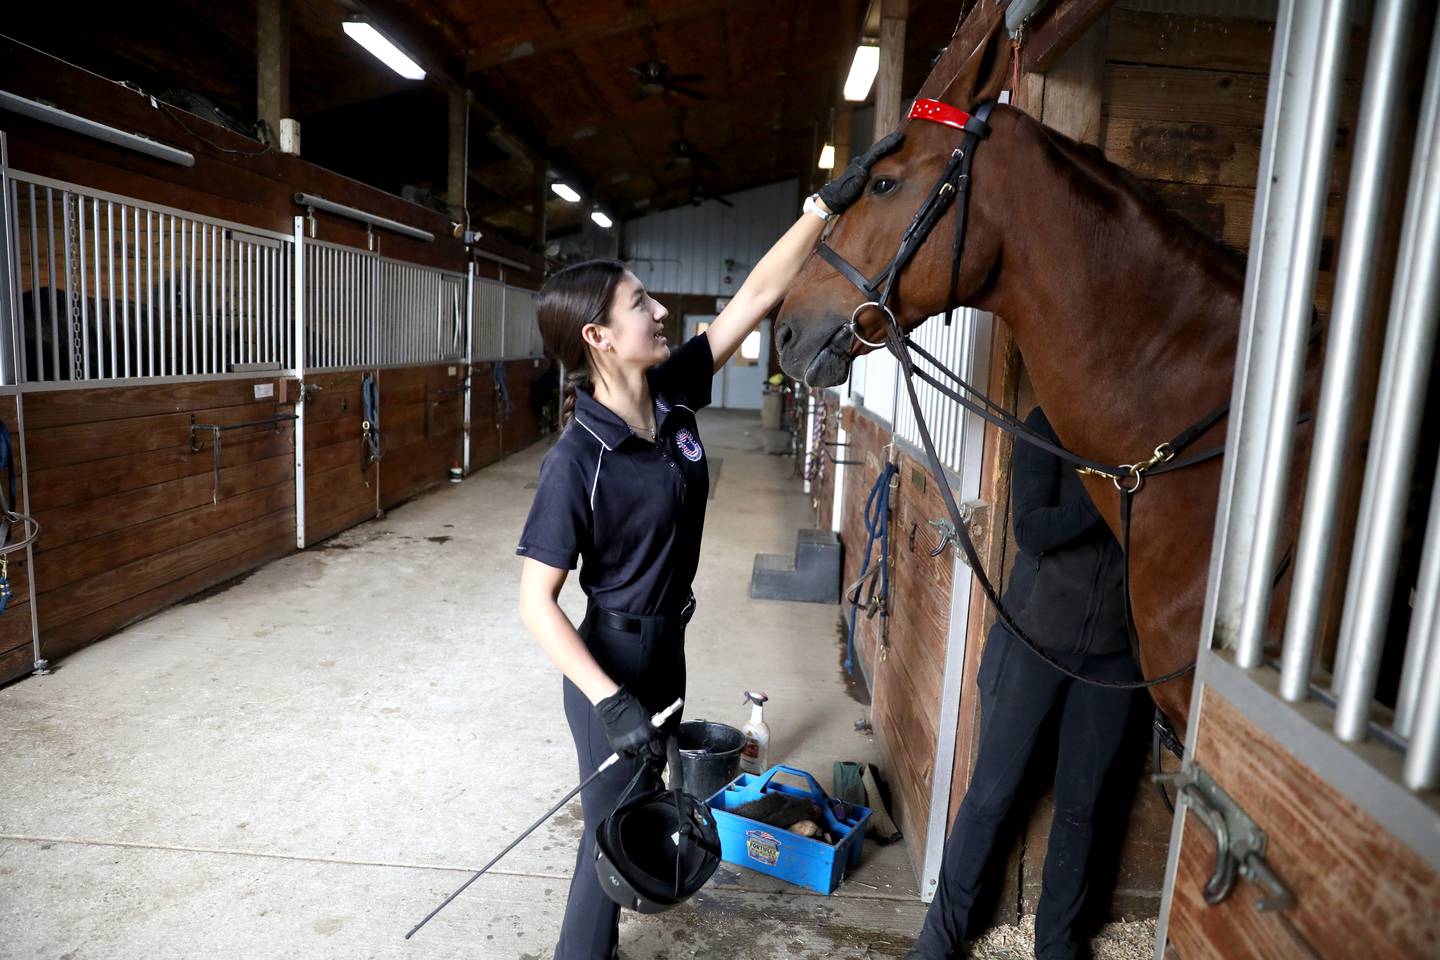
<point x="755" y="697"/>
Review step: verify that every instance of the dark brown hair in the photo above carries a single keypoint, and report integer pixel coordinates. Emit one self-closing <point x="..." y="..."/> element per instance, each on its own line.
<point x="569" y="299"/>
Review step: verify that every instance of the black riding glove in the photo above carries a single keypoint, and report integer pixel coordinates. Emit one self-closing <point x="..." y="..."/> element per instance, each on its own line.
<point x="845" y="189"/>
<point x="628" y="726"/>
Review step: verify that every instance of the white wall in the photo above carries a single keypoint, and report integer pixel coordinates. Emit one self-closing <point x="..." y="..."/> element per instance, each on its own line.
<point x="683" y="250"/>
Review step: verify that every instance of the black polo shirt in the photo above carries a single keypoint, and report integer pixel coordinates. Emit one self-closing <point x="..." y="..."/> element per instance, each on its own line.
<point x="634" y="510"/>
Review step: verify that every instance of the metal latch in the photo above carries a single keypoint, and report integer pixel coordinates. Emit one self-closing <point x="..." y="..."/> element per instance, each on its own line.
<point x="975" y="515"/>
<point x="1239" y="843"/>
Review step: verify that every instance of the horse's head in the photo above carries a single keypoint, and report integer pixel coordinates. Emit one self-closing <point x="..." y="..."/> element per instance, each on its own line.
<point x="821" y="301"/>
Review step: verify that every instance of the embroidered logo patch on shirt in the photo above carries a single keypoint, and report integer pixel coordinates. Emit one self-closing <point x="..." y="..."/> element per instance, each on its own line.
<point x="689" y="446"/>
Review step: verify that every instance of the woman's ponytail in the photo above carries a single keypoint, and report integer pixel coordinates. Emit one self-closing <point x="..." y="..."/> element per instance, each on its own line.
<point x="574" y="380"/>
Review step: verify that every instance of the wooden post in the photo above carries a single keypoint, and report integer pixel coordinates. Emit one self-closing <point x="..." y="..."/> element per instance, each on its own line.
<point x="459" y="159"/>
<point x="1074" y="85"/>
<point x="272" y="63"/>
<point x="892" y="65"/>
<point x="587" y="226"/>
<point x="843" y="116"/>
<point x="542" y="196"/>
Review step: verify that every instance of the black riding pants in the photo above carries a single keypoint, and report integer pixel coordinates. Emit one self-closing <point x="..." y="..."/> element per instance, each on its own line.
<point x="651" y="665"/>
<point x="1017" y="692"/>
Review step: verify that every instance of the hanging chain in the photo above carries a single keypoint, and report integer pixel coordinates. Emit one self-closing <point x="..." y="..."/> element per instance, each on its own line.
<point x="74" y="287"/>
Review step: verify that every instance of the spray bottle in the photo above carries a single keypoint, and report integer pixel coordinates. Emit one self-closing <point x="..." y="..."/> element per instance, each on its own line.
<point x="755" y="754"/>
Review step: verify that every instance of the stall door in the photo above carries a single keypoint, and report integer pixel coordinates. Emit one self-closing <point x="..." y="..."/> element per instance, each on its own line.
<point x="738" y="386"/>
<point x="1308" y="822"/>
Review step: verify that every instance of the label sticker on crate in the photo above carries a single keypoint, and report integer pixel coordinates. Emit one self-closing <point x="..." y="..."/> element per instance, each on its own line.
<point x="762" y="847"/>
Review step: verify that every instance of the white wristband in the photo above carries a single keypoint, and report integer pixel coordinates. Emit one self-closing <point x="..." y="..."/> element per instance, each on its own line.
<point x="812" y="205"/>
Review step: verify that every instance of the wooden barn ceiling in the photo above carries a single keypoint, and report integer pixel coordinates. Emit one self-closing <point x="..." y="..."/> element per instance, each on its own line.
<point x="552" y="78"/>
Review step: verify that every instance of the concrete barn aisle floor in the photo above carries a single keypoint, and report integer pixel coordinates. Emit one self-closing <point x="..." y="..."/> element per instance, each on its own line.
<point x="303" y="764"/>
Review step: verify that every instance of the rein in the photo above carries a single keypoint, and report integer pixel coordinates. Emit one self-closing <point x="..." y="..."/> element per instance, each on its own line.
<point x="952" y="185"/>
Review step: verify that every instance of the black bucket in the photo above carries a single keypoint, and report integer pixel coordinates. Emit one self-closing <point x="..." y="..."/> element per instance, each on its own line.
<point x="709" y="756"/>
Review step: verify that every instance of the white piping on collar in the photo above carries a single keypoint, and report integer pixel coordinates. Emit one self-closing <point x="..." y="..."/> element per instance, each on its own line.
<point x="682" y="406"/>
<point x="576" y="418"/>
<point x="596" y="482"/>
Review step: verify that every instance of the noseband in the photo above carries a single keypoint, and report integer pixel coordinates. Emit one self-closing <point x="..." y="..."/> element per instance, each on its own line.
<point x="953" y="186"/>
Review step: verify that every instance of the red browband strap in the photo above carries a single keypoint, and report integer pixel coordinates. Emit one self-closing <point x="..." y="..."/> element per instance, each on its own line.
<point x="937" y="112"/>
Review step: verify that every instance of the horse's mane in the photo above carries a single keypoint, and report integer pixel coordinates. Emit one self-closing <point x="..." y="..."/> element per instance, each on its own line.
<point x="1107" y="174"/>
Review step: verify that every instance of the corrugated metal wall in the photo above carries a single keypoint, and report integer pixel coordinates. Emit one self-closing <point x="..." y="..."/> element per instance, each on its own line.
<point x="685" y="250"/>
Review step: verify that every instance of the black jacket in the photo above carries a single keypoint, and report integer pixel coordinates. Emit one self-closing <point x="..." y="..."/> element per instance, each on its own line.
<point x="1067" y="587"/>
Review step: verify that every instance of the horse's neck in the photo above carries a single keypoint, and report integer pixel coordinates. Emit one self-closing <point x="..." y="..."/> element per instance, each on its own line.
<point x="1126" y="320"/>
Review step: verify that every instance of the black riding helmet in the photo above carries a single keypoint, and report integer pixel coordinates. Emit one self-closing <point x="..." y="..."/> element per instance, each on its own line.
<point x="657" y="849"/>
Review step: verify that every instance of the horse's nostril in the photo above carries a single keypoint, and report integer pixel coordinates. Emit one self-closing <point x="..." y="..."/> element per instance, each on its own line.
<point x="783" y="335"/>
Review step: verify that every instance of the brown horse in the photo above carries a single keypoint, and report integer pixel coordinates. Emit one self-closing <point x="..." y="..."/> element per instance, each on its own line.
<point x="1127" y="319"/>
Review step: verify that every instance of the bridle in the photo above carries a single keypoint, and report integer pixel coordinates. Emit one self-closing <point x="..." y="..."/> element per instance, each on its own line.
<point x="953" y="187"/>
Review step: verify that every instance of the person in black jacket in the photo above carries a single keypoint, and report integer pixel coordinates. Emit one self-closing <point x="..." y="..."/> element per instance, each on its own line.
<point x="1066" y="594"/>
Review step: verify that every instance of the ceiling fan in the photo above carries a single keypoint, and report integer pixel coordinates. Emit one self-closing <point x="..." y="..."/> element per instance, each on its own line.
<point x="656" y="78"/>
<point x="699" y="194"/>
<point x="685" y="154"/>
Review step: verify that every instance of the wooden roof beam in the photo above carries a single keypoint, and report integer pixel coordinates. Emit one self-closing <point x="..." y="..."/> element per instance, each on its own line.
<point x="634" y="18"/>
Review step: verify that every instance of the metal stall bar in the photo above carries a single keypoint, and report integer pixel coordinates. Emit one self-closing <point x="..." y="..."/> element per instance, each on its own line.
<point x="1409" y="348"/>
<point x="10" y="319"/>
<point x="298" y="336"/>
<point x="18" y="375"/>
<point x="124" y="302"/>
<point x="50" y="272"/>
<point x="468" y="368"/>
<point x="1261" y="350"/>
<point x="1278" y="388"/>
<point x="1417" y="715"/>
<point x="1364" y="213"/>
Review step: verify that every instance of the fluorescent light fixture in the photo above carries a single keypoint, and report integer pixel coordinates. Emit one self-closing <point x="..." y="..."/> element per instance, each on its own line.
<point x="45" y="113"/>
<point x="313" y="202"/>
<point x="383" y="50"/>
<point x="565" y="192"/>
<point x="827" y="157"/>
<point x="601" y="221"/>
<point x="862" y="71"/>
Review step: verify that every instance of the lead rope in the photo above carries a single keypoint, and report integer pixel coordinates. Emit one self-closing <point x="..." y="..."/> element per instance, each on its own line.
<point x="877" y="523"/>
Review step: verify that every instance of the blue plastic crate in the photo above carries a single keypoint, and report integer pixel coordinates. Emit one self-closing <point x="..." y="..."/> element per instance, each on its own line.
<point x="775" y="850"/>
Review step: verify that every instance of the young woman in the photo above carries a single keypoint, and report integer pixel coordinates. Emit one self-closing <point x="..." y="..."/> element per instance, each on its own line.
<point x="1067" y="594"/>
<point x="624" y="490"/>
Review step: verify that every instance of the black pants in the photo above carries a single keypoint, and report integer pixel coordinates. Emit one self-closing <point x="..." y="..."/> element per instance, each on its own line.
<point x="651" y="665"/>
<point x="1017" y="692"/>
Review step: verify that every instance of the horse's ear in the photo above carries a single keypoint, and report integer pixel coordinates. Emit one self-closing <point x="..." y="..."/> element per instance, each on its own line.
<point x="985" y="71"/>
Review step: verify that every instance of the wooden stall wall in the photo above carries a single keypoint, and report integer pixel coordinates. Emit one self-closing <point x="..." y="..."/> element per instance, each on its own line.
<point x="523" y="424"/>
<point x="486" y="418"/>
<point x="422" y="419"/>
<point x="17" y="651"/>
<point x="503" y="418"/>
<point x="133" y="516"/>
<point x="1184" y="110"/>
<point x="902" y="659"/>
<point x="341" y="486"/>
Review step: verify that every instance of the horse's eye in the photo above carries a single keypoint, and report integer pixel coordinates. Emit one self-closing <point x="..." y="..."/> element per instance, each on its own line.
<point x="882" y="186"/>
